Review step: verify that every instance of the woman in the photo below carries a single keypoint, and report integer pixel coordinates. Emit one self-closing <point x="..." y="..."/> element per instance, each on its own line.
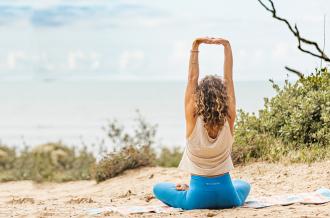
<point x="210" y="111"/>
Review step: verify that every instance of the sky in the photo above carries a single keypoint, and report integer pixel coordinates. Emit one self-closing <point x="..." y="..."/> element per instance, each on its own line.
<point x="46" y="40"/>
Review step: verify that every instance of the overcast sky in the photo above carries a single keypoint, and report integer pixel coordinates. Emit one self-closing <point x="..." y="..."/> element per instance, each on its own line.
<point x="150" y="40"/>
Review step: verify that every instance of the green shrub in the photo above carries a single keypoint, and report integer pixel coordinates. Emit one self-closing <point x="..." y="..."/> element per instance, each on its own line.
<point x="130" y="157"/>
<point x="7" y="157"/>
<point x="294" y="125"/>
<point x="50" y="162"/>
<point x="300" y="113"/>
<point x="169" y="157"/>
<point x="130" y="150"/>
<point x="7" y="161"/>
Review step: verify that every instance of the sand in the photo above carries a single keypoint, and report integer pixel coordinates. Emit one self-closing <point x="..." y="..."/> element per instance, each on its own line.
<point x="134" y="187"/>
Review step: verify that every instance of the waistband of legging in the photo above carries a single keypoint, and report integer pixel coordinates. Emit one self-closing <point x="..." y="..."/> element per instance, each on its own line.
<point x="209" y="180"/>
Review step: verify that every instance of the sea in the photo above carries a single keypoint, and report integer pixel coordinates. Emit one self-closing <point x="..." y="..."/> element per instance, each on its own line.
<point x="76" y="112"/>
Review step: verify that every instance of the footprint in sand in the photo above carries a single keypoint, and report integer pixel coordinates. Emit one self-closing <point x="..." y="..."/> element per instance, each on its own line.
<point x="81" y="201"/>
<point x="21" y="201"/>
<point x="127" y="194"/>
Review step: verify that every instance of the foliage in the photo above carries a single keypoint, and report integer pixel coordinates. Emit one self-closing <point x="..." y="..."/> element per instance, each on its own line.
<point x="132" y="150"/>
<point x="130" y="157"/>
<point x="7" y="157"/>
<point x="169" y="157"/>
<point x="48" y="162"/>
<point x="294" y="125"/>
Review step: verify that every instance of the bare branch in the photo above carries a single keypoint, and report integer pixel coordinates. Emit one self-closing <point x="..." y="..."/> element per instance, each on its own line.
<point x="298" y="73"/>
<point x="301" y="40"/>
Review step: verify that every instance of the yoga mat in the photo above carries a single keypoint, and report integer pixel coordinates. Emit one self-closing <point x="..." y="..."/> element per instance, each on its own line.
<point x="319" y="196"/>
<point x="133" y="209"/>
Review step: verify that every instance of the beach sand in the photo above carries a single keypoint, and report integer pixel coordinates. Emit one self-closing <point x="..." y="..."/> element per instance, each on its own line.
<point x="134" y="187"/>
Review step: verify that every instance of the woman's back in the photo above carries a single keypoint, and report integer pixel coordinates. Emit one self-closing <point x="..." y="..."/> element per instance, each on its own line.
<point x="207" y="156"/>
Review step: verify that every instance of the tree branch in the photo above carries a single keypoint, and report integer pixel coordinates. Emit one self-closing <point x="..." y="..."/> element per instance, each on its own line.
<point x="298" y="73"/>
<point x="301" y="40"/>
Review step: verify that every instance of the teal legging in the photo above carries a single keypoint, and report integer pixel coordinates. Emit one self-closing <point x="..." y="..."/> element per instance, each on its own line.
<point x="204" y="193"/>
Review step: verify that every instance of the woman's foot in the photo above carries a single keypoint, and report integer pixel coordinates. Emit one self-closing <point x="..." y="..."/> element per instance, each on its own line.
<point x="182" y="187"/>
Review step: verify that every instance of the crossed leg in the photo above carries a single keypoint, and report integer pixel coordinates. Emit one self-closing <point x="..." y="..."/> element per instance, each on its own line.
<point x="167" y="193"/>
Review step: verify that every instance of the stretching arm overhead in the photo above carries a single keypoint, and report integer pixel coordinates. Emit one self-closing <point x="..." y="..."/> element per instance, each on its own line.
<point x="193" y="74"/>
<point x="228" y="76"/>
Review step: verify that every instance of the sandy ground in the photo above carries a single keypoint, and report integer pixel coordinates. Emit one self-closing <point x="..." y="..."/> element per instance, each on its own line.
<point x="134" y="187"/>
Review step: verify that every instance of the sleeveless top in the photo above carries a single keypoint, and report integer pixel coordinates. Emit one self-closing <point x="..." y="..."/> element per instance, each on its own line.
<point x="206" y="156"/>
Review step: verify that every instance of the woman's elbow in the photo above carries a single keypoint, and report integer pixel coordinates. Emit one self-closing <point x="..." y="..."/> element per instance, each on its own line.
<point x="192" y="79"/>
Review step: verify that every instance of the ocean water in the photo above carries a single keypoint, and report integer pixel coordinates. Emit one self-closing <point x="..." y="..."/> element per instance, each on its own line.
<point x="74" y="112"/>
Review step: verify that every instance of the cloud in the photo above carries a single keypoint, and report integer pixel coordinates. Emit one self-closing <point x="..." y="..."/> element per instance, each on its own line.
<point x="73" y="58"/>
<point x="60" y="13"/>
<point x="63" y="15"/>
<point x="9" y="14"/>
<point x="14" y="57"/>
<point x="131" y="60"/>
<point x="79" y="60"/>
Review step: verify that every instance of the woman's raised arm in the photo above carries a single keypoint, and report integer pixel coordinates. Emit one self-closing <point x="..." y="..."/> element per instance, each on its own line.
<point x="193" y="74"/>
<point x="228" y="76"/>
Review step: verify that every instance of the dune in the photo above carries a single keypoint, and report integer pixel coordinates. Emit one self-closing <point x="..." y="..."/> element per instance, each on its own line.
<point x="134" y="187"/>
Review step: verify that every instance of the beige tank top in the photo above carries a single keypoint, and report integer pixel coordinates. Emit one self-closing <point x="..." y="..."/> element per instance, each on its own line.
<point x="206" y="156"/>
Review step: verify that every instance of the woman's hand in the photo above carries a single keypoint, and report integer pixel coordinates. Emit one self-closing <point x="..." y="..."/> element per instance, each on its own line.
<point x="221" y="41"/>
<point x="211" y="40"/>
<point x="182" y="187"/>
<point x="205" y="40"/>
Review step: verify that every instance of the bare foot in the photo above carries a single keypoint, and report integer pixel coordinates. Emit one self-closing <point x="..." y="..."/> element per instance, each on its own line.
<point x="182" y="187"/>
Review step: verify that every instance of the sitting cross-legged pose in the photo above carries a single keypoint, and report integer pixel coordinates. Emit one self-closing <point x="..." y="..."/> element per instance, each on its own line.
<point x="210" y="111"/>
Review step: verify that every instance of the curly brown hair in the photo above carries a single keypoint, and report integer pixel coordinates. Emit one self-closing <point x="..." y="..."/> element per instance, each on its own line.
<point x="212" y="101"/>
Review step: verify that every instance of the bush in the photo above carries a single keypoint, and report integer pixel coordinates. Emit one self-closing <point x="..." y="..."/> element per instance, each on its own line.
<point x="49" y="162"/>
<point x="294" y="125"/>
<point x="130" y="157"/>
<point x="300" y="113"/>
<point x="7" y="161"/>
<point x="7" y="157"/>
<point x="169" y="157"/>
<point x="131" y="150"/>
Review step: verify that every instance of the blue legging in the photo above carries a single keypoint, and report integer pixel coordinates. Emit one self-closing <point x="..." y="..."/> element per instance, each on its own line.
<point x="204" y="193"/>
